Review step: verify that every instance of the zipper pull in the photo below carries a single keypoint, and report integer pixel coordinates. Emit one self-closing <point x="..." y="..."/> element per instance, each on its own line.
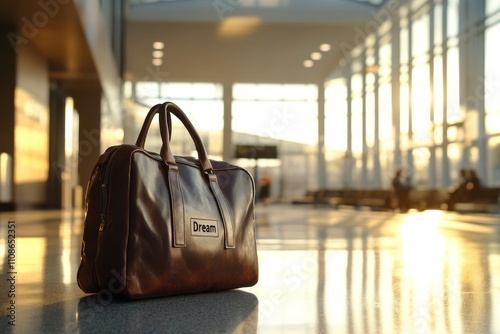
<point x="101" y="225"/>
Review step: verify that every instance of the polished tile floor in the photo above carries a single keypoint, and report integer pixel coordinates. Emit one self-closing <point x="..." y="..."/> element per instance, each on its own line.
<point x="321" y="271"/>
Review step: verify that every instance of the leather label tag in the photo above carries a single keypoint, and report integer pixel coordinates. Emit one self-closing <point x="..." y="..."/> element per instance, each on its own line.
<point x="204" y="227"/>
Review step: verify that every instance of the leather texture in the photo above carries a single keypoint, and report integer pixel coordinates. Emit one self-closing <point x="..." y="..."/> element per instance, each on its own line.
<point x="160" y="225"/>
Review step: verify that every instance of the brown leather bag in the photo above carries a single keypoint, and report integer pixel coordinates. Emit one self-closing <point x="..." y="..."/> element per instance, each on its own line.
<point x="157" y="225"/>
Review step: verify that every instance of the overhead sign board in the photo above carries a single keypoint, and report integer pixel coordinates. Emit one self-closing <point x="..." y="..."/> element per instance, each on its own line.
<point x="256" y="152"/>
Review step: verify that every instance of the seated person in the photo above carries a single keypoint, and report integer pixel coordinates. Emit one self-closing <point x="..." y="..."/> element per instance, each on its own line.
<point x="402" y="189"/>
<point x="465" y="190"/>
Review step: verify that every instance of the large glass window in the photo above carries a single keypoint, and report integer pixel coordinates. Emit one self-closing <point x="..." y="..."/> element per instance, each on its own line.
<point x="336" y="115"/>
<point x="385" y="96"/>
<point x="438" y="90"/>
<point x="433" y="78"/>
<point x="335" y="131"/>
<point x="492" y="6"/>
<point x="286" y="112"/>
<point x="357" y="114"/>
<point x="452" y="17"/>
<point x="492" y="78"/>
<point x="357" y="125"/>
<point x="438" y="99"/>
<point x="404" y="42"/>
<point x="404" y="90"/>
<point x="385" y="115"/>
<point x="438" y="24"/>
<point x="404" y="96"/>
<point x="285" y="115"/>
<point x="201" y="102"/>
<point x="421" y="122"/>
<point x="385" y="126"/>
<point x="420" y="94"/>
<point x="453" y="112"/>
<point x="370" y="110"/>
<point x="420" y="35"/>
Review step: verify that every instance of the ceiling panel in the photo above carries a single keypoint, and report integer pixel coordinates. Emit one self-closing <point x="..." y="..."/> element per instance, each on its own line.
<point x="241" y="40"/>
<point x="197" y="52"/>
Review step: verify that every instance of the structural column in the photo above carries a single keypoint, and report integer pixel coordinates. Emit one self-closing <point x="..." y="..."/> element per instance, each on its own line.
<point x="321" y="178"/>
<point x="409" y="153"/>
<point x="474" y="99"/>
<point x="364" y="155"/>
<point x="396" y="103"/>
<point x="432" y="150"/>
<point x="348" y="157"/>
<point x="227" y="140"/>
<point x="87" y="98"/>
<point x="445" y="162"/>
<point x="377" y="183"/>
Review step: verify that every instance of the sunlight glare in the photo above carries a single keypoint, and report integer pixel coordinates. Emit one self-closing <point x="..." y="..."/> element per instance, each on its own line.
<point x="423" y="246"/>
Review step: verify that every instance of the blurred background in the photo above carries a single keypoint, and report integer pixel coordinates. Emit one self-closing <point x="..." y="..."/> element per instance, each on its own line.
<point x="342" y="92"/>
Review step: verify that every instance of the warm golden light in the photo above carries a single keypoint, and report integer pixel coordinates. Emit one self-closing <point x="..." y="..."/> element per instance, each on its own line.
<point x="315" y="56"/>
<point x="32" y="258"/>
<point x="236" y="26"/>
<point x="454" y="152"/>
<point x="68" y="127"/>
<point x="372" y="68"/>
<point x="31" y="138"/>
<point x="158" y="45"/>
<point x="157" y="54"/>
<point x="5" y="175"/>
<point x="422" y="261"/>
<point x="325" y="47"/>
<point x="421" y="102"/>
<point x="308" y="63"/>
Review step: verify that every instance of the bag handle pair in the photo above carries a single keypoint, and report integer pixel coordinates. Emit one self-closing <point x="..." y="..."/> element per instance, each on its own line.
<point x="166" y="132"/>
<point x="166" y="154"/>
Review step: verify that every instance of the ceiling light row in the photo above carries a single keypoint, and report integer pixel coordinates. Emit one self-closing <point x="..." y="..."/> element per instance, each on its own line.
<point x="315" y="56"/>
<point x="158" y="53"/>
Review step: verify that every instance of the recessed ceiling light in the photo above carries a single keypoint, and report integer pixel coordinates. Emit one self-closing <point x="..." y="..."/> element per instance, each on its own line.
<point x="315" y="56"/>
<point x="157" y="62"/>
<point x="158" y="45"/>
<point x="157" y="54"/>
<point x="325" y="47"/>
<point x="308" y="63"/>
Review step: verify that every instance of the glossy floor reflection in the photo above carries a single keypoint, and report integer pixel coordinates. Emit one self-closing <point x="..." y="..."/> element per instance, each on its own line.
<point x="321" y="271"/>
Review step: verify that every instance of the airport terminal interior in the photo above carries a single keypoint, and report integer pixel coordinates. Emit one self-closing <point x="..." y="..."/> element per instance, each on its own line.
<point x="371" y="129"/>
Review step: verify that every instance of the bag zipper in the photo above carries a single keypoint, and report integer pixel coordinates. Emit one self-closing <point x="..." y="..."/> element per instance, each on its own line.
<point x="104" y="189"/>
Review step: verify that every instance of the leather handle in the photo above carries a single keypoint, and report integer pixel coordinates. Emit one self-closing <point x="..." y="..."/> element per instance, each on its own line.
<point x="166" y="152"/>
<point x="141" y="138"/>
